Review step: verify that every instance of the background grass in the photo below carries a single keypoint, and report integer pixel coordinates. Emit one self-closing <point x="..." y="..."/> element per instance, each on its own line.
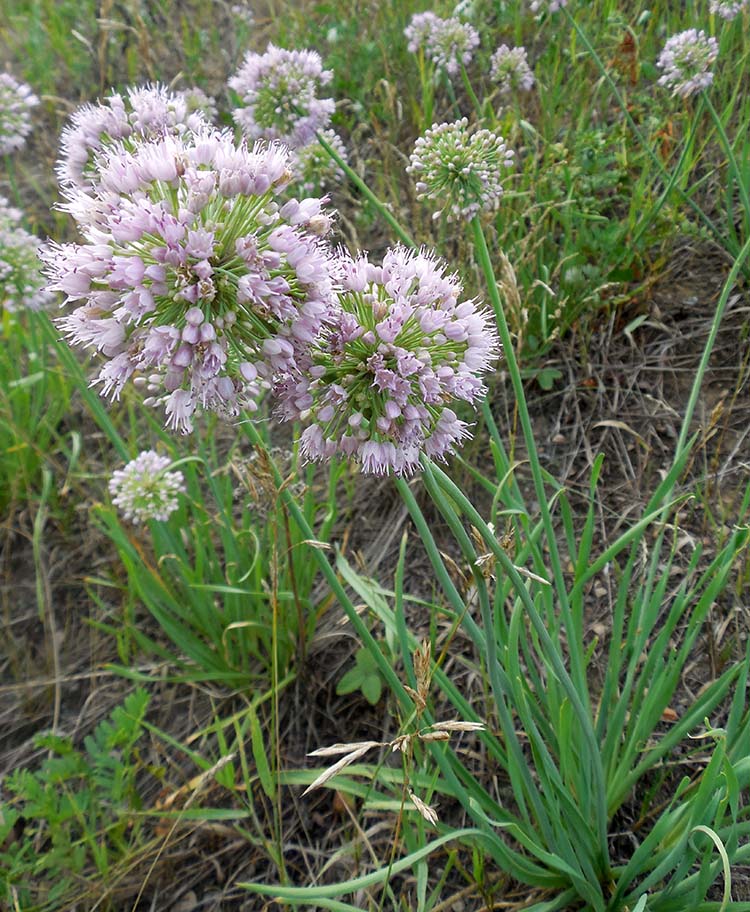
<point x="220" y="613"/>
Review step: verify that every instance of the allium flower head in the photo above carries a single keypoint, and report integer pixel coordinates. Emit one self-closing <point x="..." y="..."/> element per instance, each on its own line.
<point x="728" y="9"/>
<point x="510" y="70"/>
<point x="192" y="280"/>
<point x="279" y="93"/>
<point x="464" y="170"/>
<point x="379" y="383"/>
<point x="314" y="169"/>
<point x="146" y="112"/>
<point x="419" y="30"/>
<point x="449" y="43"/>
<point x="196" y="100"/>
<point x="243" y="12"/>
<point x="21" y="282"/>
<point x="686" y="60"/>
<point x="144" y="489"/>
<point x="16" y="102"/>
<point x="551" y="6"/>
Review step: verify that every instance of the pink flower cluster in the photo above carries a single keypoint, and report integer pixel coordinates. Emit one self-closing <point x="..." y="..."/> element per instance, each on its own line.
<point x="728" y="9"/>
<point x="686" y="60"/>
<point x="509" y="68"/>
<point x="16" y="102"/>
<point x="144" y="489"/>
<point x="449" y="43"/>
<point x="279" y="96"/>
<point x="378" y="382"/>
<point x="201" y="283"/>
<point x="194" y="281"/>
<point x="145" y="112"/>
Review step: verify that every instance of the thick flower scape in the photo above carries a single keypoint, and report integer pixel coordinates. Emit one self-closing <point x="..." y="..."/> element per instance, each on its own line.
<point x="21" y="282"/>
<point x="449" y="43"/>
<point x="146" y="112"/>
<point x="16" y="102"/>
<point x="379" y="383"/>
<point x="194" y="282"/>
<point x="687" y="59"/>
<point x="462" y="170"/>
<point x="279" y="94"/>
<point x="509" y="68"/>
<point x="144" y="489"/>
<point x="728" y="9"/>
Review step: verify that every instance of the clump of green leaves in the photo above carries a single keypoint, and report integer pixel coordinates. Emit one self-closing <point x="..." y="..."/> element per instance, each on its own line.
<point x="73" y="817"/>
<point x="363" y="676"/>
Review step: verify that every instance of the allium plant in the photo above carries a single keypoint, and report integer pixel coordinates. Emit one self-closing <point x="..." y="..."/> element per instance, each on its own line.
<point x="16" y="102"/>
<point x="686" y="60"/>
<point x="194" y="282"/>
<point x="728" y="9"/>
<point x="145" y="490"/>
<point x="463" y="170"/>
<point x="314" y="169"/>
<point x="279" y="96"/>
<point x="449" y="43"/>
<point x="380" y="382"/>
<point x="145" y="112"/>
<point x="509" y="68"/>
<point x="21" y="282"/>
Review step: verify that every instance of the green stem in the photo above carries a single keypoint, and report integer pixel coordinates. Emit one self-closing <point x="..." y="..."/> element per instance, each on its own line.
<point x="576" y="634"/>
<point x="575" y="696"/>
<point x="706" y="356"/>
<point x="328" y="572"/>
<point x="381" y="207"/>
<point x="731" y="159"/>
<point x="11" y="172"/>
<point x="446" y="760"/>
<point x="470" y="92"/>
<point x="674" y="177"/>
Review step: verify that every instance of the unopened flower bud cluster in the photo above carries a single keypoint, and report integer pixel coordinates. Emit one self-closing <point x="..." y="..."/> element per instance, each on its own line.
<point x="462" y="170"/>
